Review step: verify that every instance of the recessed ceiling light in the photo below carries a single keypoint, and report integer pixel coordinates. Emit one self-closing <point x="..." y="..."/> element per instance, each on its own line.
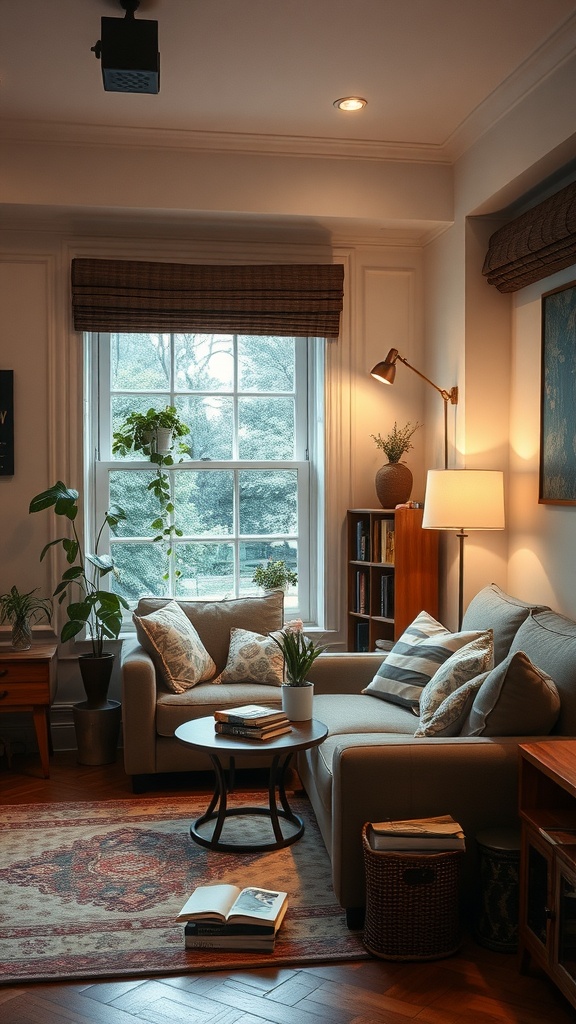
<point x="350" y="103"/>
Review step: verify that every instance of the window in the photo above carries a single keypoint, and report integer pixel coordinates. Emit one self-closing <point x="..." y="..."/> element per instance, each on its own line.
<point x="246" y="487"/>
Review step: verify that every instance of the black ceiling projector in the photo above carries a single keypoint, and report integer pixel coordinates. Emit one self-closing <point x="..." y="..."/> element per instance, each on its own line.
<point x="128" y="50"/>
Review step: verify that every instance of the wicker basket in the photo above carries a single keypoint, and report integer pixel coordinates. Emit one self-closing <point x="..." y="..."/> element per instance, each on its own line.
<point x="412" y="903"/>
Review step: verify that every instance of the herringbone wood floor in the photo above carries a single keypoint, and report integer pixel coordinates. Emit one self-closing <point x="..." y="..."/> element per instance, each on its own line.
<point x="477" y="986"/>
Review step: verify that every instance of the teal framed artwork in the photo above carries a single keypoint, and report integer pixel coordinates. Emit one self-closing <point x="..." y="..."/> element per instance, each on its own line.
<point x="557" y="485"/>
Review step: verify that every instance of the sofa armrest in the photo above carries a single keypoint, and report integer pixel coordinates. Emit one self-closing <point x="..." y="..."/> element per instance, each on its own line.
<point x="139" y="711"/>
<point x="344" y="672"/>
<point x="475" y="779"/>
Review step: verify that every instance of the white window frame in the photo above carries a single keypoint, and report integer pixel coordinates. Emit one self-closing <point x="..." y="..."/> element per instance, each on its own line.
<point x="310" y="468"/>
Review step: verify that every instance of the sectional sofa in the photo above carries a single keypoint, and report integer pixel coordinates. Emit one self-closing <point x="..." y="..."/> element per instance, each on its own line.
<point x="515" y="664"/>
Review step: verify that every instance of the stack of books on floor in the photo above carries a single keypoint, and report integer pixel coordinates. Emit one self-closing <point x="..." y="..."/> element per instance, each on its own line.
<point x="224" y="917"/>
<point x="253" y="721"/>
<point x="417" y="834"/>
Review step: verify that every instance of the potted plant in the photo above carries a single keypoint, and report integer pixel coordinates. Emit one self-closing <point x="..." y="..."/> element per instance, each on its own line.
<point x="97" y="611"/>
<point x="394" y="478"/>
<point x="299" y="654"/>
<point x="274" y="575"/>
<point x="21" y="610"/>
<point x="154" y="433"/>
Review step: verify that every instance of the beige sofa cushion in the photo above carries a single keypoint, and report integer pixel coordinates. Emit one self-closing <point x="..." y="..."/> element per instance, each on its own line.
<point x="253" y="658"/>
<point x="214" y="620"/>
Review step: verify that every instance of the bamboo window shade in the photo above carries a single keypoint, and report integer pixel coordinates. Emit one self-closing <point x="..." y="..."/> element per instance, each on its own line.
<point x="534" y="245"/>
<point x="303" y="300"/>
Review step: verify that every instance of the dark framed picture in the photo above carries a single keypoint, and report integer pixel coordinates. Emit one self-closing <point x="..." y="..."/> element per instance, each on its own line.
<point x="558" y="397"/>
<point x="6" y="423"/>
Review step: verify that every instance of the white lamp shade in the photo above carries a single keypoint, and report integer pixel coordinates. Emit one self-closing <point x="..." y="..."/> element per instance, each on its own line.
<point x="457" y="499"/>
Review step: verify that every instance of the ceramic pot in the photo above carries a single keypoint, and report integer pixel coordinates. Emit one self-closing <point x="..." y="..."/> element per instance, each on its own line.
<point x="163" y="439"/>
<point x="297" y="701"/>
<point x="96" y="673"/>
<point x="393" y="484"/>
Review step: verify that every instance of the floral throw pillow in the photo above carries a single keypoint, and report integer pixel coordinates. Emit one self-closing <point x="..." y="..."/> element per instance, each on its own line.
<point x="253" y="658"/>
<point x="175" y="647"/>
<point x="438" y="714"/>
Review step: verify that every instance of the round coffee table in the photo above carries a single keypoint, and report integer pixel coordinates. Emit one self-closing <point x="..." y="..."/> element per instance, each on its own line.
<point x="200" y="734"/>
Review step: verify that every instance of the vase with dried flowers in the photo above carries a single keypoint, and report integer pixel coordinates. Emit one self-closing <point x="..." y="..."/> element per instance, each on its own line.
<point x="394" y="479"/>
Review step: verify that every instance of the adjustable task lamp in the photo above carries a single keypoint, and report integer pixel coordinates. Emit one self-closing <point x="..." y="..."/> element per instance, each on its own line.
<point x="463" y="499"/>
<point x="386" y="372"/>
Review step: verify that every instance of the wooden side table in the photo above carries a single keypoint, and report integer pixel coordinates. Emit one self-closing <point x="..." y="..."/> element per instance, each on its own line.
<point x="28" y="683"/>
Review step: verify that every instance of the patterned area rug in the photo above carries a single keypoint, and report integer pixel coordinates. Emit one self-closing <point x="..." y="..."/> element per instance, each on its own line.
<point x="91" y="890"/>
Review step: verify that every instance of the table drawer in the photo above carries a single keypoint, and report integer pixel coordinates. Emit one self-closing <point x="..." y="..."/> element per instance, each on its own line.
<point x="23" y="693"/>
<point x="23" y="672"/>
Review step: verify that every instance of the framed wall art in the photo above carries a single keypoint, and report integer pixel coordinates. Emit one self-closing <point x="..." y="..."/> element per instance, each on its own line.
<point x="6" y="423"/>
<point x="558" y="397"/>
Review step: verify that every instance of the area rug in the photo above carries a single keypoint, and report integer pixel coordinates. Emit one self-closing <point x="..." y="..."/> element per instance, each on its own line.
<point x="91" y="890"/>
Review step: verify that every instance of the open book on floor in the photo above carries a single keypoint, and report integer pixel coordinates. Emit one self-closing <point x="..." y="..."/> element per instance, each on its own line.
<point x="437" y="833"/>
<point x="229" y="907"/>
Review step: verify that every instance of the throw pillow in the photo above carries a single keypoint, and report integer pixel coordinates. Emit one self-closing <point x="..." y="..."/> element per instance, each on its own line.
<point x="175" y="647"/>
<point x="469" y="662"/>
<point x="515" y="699"/>
<point x="415" y="657"/>
<point x="253" y="658"/>
<point x="453" y="711"/>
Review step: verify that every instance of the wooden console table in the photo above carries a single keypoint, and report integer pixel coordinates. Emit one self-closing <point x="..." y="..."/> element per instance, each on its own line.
<point x="28" y="683"/>
<point x="547" y="926"/>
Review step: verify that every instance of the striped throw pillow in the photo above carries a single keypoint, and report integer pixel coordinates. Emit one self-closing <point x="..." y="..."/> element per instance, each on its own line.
<point x="416" y="656"/>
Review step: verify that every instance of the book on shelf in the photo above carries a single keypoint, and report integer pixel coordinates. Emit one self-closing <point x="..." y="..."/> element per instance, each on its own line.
<point x="387" y="541"/>
<point x="436" y="833"/>
<point x="250" y="714"/>
<point x="362" y="592"/>
<point x="229" y="905"/>
<point x="362" y="636"/>
<point x="387" y="595"/>
<point x="253" y="732"/>
<point x="362" y="541"/>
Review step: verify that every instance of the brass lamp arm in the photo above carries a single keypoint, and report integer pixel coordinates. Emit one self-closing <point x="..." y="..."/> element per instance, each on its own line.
<point x="448" y="396"/>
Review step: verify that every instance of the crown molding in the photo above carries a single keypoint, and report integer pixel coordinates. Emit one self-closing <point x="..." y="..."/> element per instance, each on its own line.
<point x="215" y="142"/>
<point x="551" y="55"/>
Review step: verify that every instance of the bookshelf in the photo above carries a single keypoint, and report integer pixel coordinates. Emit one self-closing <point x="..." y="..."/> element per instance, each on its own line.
<point x="392" y="574"/>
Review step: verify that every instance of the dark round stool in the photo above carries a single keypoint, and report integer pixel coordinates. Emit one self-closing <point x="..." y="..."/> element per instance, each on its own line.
<point x="496" y="918"/>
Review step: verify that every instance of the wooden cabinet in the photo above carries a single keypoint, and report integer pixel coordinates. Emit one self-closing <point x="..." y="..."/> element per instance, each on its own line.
<point x="28" y="683"/>
<point x="392" y="573"/>
<point x="547" y="924"/>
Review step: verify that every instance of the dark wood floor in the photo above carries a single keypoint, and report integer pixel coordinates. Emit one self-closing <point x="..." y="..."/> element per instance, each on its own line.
<point x="477" y="986"/>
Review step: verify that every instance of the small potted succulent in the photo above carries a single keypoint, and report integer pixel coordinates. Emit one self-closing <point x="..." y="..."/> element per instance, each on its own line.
<point x="299" y="653"/>
<point x="274" y="575"/>
<point x="394" y="479"/>
<point x="21" y="611"/>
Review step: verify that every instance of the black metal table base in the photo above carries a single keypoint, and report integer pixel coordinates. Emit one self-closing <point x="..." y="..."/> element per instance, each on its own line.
<point x="219" y="811"/>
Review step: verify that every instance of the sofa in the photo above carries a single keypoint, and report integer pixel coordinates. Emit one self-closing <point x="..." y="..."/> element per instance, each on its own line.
<point x="382" y="757"/>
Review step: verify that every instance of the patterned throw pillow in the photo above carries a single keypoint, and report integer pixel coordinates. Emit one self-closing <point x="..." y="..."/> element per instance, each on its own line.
<point x="175" y="647"/>
<point x="438" y="715"/>
<point x="453" y="711"/>
<point x="416" y="656"/>
<point x="253" y="658"/>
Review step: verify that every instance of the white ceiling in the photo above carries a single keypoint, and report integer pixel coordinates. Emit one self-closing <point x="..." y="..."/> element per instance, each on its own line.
<point x="266" y="72"/>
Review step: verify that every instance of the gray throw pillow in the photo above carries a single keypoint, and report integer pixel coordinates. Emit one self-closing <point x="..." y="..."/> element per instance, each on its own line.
<point x="492" y="608"/>
<point x="416" y="656"/>
<point x="515" y="699"/>
<point x="438" y="714"/>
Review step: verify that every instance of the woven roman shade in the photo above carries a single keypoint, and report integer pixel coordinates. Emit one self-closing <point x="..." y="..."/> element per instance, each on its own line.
<point x="534" y="245"/>
<point x="304" y="300"/>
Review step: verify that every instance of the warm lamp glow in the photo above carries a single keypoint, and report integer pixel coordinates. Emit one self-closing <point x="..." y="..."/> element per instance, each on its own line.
<point x="464" y="499"/>
<point x="350" y="103"/>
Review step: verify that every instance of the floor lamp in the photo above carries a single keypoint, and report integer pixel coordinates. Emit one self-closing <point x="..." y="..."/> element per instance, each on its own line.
<point x="463" y="499"/>
<point x="386" y="372"/>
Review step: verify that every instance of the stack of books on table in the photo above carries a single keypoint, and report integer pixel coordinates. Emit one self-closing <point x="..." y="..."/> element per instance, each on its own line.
<point x="254" y="721"/>
<point x="224" y="917"/>
<point x="417" y="834"/>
